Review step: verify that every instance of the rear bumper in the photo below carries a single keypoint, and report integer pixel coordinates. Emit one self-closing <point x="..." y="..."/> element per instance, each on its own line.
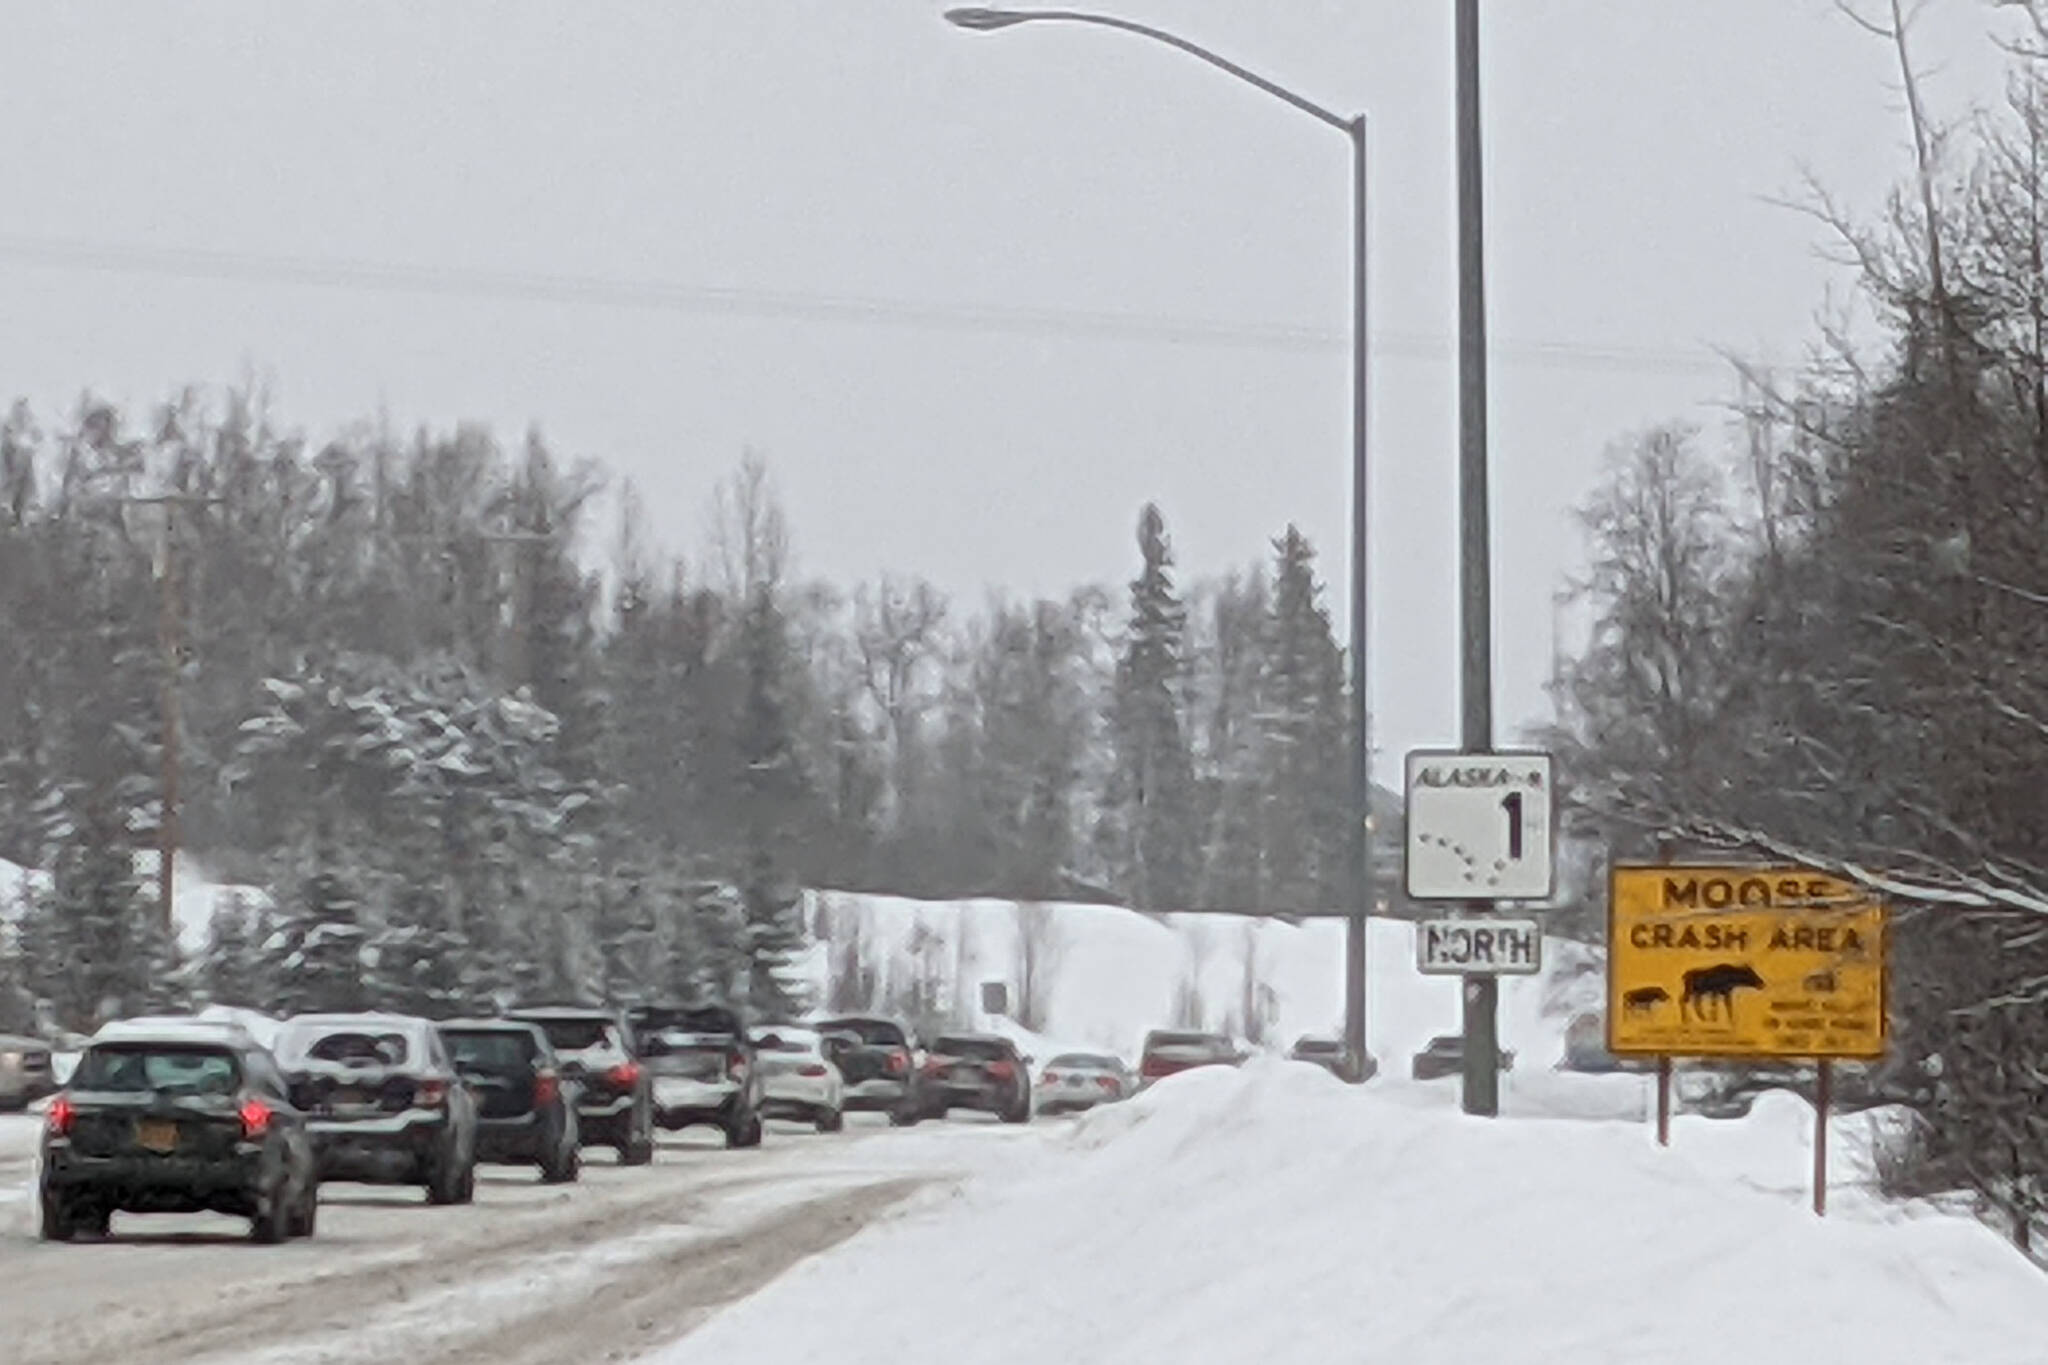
<point x="878" y="1093"/>
<point x="697" y="1105"/>
<point x="158" y="1184"/>
<point x="526" y="1137"/>
<point x="377" y="1150"/>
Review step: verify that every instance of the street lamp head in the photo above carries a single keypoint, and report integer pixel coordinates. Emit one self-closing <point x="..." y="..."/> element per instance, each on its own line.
<point x="982" y="19"/>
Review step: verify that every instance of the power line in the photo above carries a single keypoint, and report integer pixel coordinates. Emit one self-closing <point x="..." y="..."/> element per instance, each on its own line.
<point x="809" y="306"/>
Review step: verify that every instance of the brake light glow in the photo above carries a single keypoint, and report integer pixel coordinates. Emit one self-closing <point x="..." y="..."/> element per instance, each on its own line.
<point x="625" y="1075"/>
<point x="1107" y="1083"/>
<point x="814" y="1069"/>
<point x="1002" y="1071"/>
<point x="1158" y="1066"/>
<point x="430" y="1094"/>
<point x="61" y="1113"/>
<point x="898" y="1061"/>
<point x="1049" y="1078"/>
<point x="545" y="1087"/>
<point x="255" y="1116"/>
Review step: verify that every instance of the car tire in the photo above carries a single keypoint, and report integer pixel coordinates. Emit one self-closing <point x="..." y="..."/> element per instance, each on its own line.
<point x="443" y="1182"/>
<point x="273" y="1219"/>
<point x="308" y="1213"/>
<point x="1021" y="1114"/>
<point x="465" y="1189"/>
<point x="57" y="1223"/>
<point x="830" y="1120"/>
<point x="746" y="1133"/>
<point x="563" y="1169"/>
<point x="906" y="1117"/>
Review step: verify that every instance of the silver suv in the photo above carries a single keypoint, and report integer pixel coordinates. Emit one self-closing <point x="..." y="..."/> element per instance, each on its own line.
<point x="25" y="1071"/>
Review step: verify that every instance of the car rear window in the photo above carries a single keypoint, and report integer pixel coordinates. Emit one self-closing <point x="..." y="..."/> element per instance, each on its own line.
<point x="974" y="1049"/>
<point x="1082" y="1059"/>
<point x="490" y="1047"/>
<point x="873" y="1032"/>
<point x="782" y="1042"/>
<point x="1318" y="1045"/>
<point x="577" y="1035"/>
<point x="346" y="1047"/>
<point x="136" y="1068"/>
<point x="1185" y="1044"/>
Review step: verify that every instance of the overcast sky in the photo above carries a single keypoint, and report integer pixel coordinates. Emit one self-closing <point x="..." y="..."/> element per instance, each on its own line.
<point x="878" y="250"/>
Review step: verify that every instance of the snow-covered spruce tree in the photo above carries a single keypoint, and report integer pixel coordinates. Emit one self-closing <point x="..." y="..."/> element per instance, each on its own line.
<point x="1304" y="741"/>
<point x="97" y="912"/>
<point x="316" y="954"/>
<point x="1152" y="783"/>
<point x="230" y="968"/>
<point x="773" y="792"/>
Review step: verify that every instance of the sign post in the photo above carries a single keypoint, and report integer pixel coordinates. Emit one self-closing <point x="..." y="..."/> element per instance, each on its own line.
<point x="1745" y="961"/>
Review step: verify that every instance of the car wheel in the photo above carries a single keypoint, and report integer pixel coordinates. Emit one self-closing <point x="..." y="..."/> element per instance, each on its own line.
<point x="272" y="1219"/>
<point x="308" y="1212"/>
<point x="906" y="1117"/>
<point x="1020" y="1114"/>
<point x="746" y="1134"/>
<point x="444" y="1183"/>
<point x="830" y="1120"/>
<point x="57" y="1224"/>
<point x="465" y="1189"/>
<point x="563" y="1168"/>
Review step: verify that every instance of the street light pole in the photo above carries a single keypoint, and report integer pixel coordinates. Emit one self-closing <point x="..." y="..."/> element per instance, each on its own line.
<point x="983" y="19"/>
<point x="1475" y="597"/>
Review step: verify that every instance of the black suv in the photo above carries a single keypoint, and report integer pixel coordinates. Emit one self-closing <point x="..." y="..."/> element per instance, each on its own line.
<point x="976" y="1071"/>
<point x="176" y="1118"/>
<point x="382" y="1101"/>
<point x="595" y="1047"/>
<point x="703" y="1069"/>
<point x="874" y="1059"/>
<point x="525" y="1109"/>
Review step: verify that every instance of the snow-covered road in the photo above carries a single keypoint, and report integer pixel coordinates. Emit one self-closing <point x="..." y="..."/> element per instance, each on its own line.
<point x="605" y="1269"/>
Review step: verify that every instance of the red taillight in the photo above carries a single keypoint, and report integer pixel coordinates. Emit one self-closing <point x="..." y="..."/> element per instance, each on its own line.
<point x="1048" y="1078"/>
<point x="60" y="1114"/>
<point x="1107" y="1083"/>
<point x="814" y="1069"/>
<point x="898" y="1061"/>
<point x="430" y="1094"/>
<point x="545" y="1088"/>
<point x="1157" y="1066"/>
<point x="736" y="1064"/>
<point x="255" y="1116"/>
<point x="1002" y="1071"/>
<point x="625" y="1075"/>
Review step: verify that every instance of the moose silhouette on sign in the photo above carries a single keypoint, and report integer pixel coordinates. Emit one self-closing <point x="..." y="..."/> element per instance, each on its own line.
<point x="1644" y="1000"/>
<point x="1707" y="988"/>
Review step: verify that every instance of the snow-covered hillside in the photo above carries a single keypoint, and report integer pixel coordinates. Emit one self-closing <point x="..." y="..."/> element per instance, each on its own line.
<point x="1118" y="973"/>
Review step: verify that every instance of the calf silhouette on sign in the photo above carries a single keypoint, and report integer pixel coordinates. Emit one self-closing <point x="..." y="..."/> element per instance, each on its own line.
<point x="1644" y="1000"/>
<point x="1708" y="987"/>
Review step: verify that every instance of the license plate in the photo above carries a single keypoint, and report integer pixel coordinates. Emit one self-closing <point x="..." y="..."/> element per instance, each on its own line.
<point x="156" y="1135"/>
<point x="965" y="1075"/>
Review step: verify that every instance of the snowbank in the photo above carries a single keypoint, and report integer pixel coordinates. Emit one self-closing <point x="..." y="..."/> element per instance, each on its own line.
<point x="1272" y="1214"/>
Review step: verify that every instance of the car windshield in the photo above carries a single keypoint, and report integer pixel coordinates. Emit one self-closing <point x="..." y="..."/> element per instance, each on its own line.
<point x="577" y="1035"/>
<point x="490" y="1049"/>
<point x="973" y="1049"/>
<point x="345" y="1047"/>
<point x="872" y="1032"/>
<point x="137" y="1068"/>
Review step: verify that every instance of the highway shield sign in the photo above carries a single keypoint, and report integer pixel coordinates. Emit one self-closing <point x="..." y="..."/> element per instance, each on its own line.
<point x="1744" y="961"/>
<point x="1480" y="826"/>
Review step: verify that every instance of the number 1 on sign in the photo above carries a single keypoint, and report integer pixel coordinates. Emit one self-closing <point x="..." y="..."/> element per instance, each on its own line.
<point x="1512" y="804"/>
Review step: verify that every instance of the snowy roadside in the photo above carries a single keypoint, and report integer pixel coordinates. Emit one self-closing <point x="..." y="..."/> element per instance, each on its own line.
<point x="1273" y="1214"/>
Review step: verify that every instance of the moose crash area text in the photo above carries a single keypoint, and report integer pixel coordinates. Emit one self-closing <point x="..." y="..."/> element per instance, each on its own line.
<point x="1744" y="962"/>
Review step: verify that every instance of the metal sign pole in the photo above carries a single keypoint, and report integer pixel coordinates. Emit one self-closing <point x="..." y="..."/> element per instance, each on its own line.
<point x="1823" y="1097"/>
<point x="1664" y="1101"/>
<point x="1475" y="614"/>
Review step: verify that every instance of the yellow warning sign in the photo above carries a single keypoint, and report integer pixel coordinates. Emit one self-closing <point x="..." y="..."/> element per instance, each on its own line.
<point x="1741" y="961"/>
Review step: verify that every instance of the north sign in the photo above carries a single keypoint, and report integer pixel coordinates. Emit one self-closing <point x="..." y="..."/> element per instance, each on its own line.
<point x="1744" y="961"/>
<point x="1480" y="826"/>
<point x="1496" y="947"/>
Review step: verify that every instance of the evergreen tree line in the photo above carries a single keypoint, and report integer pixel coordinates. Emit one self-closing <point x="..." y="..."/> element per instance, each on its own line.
<point x="468" y="767"/>
<point x="1828" y="641"/>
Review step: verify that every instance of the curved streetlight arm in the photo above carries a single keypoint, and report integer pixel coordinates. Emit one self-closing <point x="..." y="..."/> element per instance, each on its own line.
<point x="987" y="20"/>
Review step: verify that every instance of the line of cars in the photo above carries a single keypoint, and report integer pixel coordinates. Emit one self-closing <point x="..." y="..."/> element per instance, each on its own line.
<point x="189" y="1114"/>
